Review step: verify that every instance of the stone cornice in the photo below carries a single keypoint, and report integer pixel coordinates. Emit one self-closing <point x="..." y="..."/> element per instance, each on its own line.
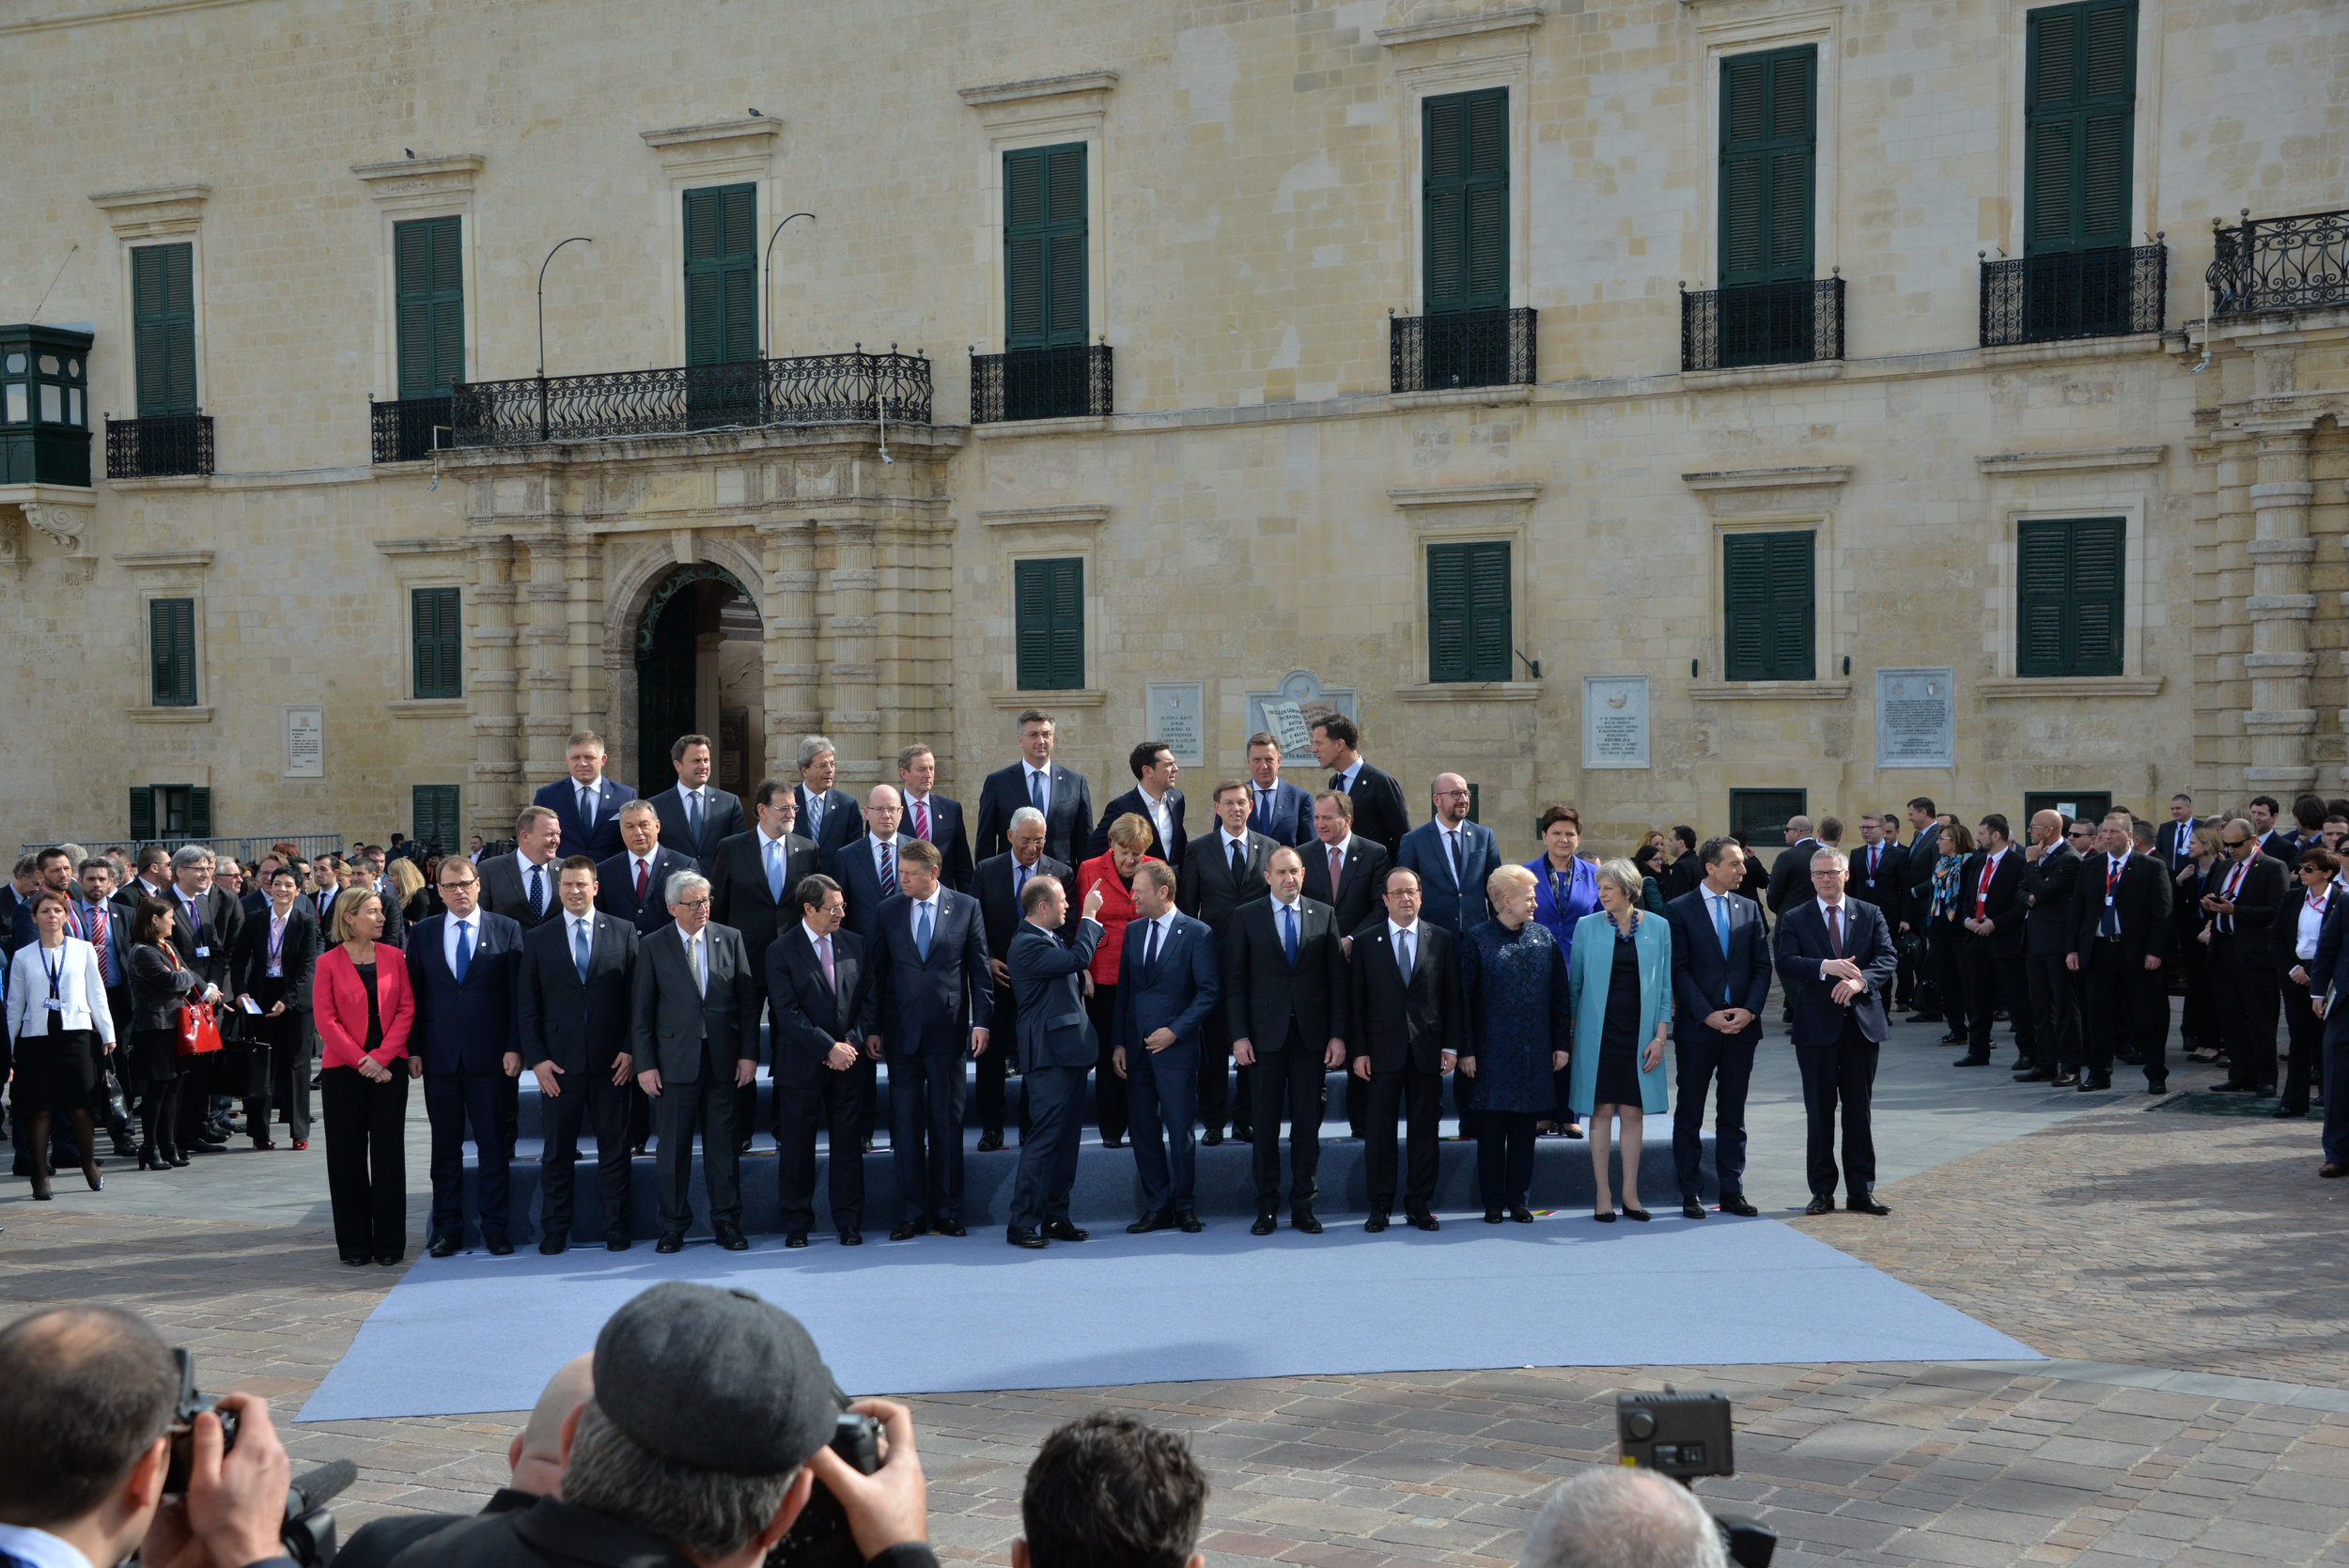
<point x="1039" y="88"/>
<point x="2074" y="459"/>
<point x="152" y="211"/>
<point x="415" y="181"/>
<point x="1436" y="29"/>
<point x="1808" y="476"/>
<point x="1075" y="516"/>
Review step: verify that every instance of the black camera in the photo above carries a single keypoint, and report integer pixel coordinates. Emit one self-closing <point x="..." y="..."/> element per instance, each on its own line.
<point x="820" y="1537"/>
<point x="1683" y="1436"/>
<point x="182" y="1427"/>
<point x="308" y="1531"/>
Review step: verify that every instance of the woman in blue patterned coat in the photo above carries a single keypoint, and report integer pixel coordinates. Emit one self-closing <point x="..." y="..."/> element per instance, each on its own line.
<point x="1513" y="980"/>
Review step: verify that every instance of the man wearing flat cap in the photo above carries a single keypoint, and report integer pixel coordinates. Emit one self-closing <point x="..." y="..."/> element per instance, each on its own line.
<point x="706" y="1434"/>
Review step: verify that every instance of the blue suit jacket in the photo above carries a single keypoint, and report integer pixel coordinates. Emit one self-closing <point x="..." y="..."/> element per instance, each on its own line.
<point x="721" y="822"/>
<point x="562" y="797"/>
<point x="470" y="1025"/>
<point x="1704" y="982"/>
<point x="1802" y="946"/>
<point x="853" y="865"/>
<point x="1291" y="819"/>
<point x="615" y="887"/>
<point x="928" y="1007"/>
<point x="1182" y="993"/>
<point x="952" y="836"/>
<point x="1459" y="908"/>
<point x="1067" y="816"/>
<point x="1048" y="978"/>
<point x="844" y="821"/>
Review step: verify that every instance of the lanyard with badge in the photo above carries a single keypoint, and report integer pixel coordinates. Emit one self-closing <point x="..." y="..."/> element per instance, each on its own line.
<point x="55" y="1005"/>
<point x="277" y="945"/>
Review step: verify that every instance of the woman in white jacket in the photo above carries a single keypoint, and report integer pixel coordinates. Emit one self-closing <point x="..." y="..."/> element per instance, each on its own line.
<point x="57" y="1014"/>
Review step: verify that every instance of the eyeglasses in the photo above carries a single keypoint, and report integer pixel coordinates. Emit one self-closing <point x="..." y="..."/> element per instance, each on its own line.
<point x="2234" y="843"/>
<point x="468" y="882"/>
<point x="694" y="903"/>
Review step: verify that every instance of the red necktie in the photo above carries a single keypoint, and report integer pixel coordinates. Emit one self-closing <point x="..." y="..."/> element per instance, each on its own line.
<point x="643" y="879"/>
<point x="921" y="819"/>
<point x="2112" y="877"/>
<point x="1981" y="894"/>
<point x="1337" y="867"/>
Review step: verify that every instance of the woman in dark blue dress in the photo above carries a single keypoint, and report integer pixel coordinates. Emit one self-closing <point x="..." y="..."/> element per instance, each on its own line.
<point x="1513" y="979"/>
<point x="1566" y="889"/>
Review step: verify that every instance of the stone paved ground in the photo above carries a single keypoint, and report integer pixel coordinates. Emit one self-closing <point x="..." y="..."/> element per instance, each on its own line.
<point x="2191" y="1245"/>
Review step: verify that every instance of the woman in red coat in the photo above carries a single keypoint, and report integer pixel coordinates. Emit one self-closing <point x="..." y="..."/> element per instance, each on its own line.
<point x="1114" y="874"/>
<point x="363" y="1013"/>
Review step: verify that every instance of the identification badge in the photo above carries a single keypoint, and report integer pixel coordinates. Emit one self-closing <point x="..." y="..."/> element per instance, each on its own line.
<point x="204" y="952"/>
<point x="55" y="1004"/>
<point x="2107" y="901"/>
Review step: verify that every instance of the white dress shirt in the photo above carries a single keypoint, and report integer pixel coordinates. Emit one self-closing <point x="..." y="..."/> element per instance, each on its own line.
<point x="587" y="794"/>
<point x="1841" y="910"/>
<point x="1162" y="817"/>
<point x="698" y="956"/>
<point x="529" y="867"/>
<point x="1343" y="850"/>
<point x="1165" y="924"/>
<point x="643" y="862"/>
<point x="1345" y="777"/>
<point x="580" y="926"/>
<point x="1038" y="784"/>
<point x="1395" y="934"/>
<point x="449" y="933"/>
<point x="2312" y="907"/>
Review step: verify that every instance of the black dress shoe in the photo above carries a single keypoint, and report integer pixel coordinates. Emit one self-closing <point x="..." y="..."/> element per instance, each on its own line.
<point x="1823" y="1203"/>
<point x="1866" y="1203"/>
<point x="1265" y="1225"/>
<point x="1243" y="1135"/>
<point x="1691" y="1209"/>
<point x="1188" y="1223"/>
<point x="1519" y="1213"/>
<point x="1739" y="1206"/>
<point x="354" y="1262"/>
<point x="2066" y="1080"/>
<point x="990" y="1141"/>
<point x="1113" y="1140"/>
<point x="851" y="1237"/>
<point x="178" y="1160"/>
<point x="443" y="1246"/>
<point x="795" y="1238"/>
<point x="2157" y="1086"/>
<point x="2232" y="1088"/>
<point x="388" y="1260"/>
<point x="497" y="1247"/>
<point x="1019" y="1235"/>
<point x="1629" y="1213"/>
<point x="2036" y="1074"/>
<point x="908" y="1230"/>
<point x="1161" y="1220"/>
<point x="2095" y="1081"/>
<point x="1060" y="1229"/>
<point x="1605" y="1217"/>
<point x="670" y="1242"/>
<point x="741" y="1146"/>
<point x="952" y="1226"/>
<point x="2284" y="1112"/>
<point x="1424" y="1221"/>
<point x="1376" y="1224"/>
<point x="1214" y="1138"/>
<point x="731" y="1239"/>
<point x="617" y="1243"/>
<point x="1302" y="1220"/>
<point x="551" y="1245"/>
<point x="1971" y="1062"/>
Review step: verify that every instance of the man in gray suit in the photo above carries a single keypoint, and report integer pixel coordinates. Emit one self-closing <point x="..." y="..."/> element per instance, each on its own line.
<point x="1057" y="1048"/>
<point x="696" y="1037"/>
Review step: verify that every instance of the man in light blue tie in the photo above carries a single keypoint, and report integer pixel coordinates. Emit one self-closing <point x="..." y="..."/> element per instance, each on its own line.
<point x="464" y="968"/>
<point x="1721" y="979"/>
<point x="571" y="1013"/>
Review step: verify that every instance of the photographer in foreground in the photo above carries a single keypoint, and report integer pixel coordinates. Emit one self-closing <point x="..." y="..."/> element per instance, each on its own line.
<point x="1623" y="1518"/>
<point x="86" y="1440"/>
<point x="707" y="1430"/>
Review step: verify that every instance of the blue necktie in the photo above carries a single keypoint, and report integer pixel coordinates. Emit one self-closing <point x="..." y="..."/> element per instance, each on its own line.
<point x="1403" y="955"/>
<point x="1720" y="921"/>
<point x="1288" y="931"/>
<point x="885" y="864"/>
<point x="1036" y="790"/>
<point x="464" y="948"/>
<point x="774" y="869"/>
<point x="694" y="818"/>
<point x="1150" y="955"/>
<point x="579" y="947"/>
<point x="922" y="930"/>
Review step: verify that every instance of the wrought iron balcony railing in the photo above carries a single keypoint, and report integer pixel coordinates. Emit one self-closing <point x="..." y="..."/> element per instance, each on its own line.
<point x="818" y="389"/>
<point x="157" y="446"/>
<point x="2109" y="292"/>
<point x="1762" y="323"/>
<point x="411" y="429"/>
<point x="1461" y="348"/>
<point x="2280" y="264"/>
<point x="1042" y="383"/>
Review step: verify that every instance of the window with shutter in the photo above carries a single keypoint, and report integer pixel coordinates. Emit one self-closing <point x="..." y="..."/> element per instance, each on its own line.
<point x="1767" y="592"/>
<point x="1768" y="151"/>
<point x="2069" y="596"/>
<point x="171" y="639"/>
<point x="2079" y="97"/>
<point x="162" y="320"/>
<point x="1469" y="635"/>
<point x="721" y="274"/>
<point x="437" y="629"/>
<point x="1048" y="624"/>
<point x="434" y="818"/>
<point x="429" y="290"/>
<point x="1464" y="193"/>
<point x="1045" y="277"/>
<point x="142" y="813"/>
<point x="200" y="817"/>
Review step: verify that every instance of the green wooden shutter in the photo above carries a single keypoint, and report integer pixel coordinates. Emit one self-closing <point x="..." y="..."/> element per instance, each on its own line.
<point x="142" y="813"/>
<point x="721" y="274"/>
<point x="1766" y="582"/>
<point x="199" y="811"/>
<point x="1469" y="612"/>
<point x="438" y="631"/>
<point x="1048" y="624"/>
<point x="1464" y="193"/>
<point x="2068" y="596"/>
<point x="1045" y="274"/>
<point x="433" y="820"/>
<point x="1769" y="153"/>
<point x="2079" y="125"/>
<point x="429" y="289"/>
<point x="171" y="637"/>
<point x="162" y="319"/>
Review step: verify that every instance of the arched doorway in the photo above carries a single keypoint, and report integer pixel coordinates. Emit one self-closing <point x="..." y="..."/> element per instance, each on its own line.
<point x="698" y="670"/>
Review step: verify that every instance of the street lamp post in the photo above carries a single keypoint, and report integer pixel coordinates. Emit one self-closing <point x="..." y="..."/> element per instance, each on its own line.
<point x="766" y="341"/>
<point x="574" y="240"/>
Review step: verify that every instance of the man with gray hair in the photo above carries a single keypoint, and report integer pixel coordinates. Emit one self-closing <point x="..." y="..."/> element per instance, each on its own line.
<point x="204" y="935"/>
<point x="827" y="816"/>
<point x="695" y="1029"/>
<point x="1604" y="1517"/>
<point x="1836" y="960"/>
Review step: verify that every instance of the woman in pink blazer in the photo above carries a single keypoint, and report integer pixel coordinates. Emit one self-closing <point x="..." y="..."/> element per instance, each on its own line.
<point x="363" y="1013"/>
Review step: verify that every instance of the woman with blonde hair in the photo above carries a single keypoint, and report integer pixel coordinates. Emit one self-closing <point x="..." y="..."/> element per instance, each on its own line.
<point x="1112" y="871"/>
<point x="1620" y="981"/>
<point x="1512" y="986"/>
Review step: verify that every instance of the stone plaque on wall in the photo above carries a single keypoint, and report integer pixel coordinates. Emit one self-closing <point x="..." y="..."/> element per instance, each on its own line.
<point x="1289" y="713"/>
<point x="306" y="742"/>
<point x="1174" y="712"/>
<point x="1614" y="721"/>
<point x="1916" y="719"/>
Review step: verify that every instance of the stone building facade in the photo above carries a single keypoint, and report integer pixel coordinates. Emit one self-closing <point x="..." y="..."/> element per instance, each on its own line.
<point x="1267" y="476"/>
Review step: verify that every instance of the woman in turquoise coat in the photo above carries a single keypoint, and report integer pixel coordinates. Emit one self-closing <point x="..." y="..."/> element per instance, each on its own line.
<point x="1620" y="975"/>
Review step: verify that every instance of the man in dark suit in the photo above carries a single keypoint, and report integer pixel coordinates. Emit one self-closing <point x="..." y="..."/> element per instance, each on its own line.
<point x="934" y="996"/>
<point x="1835" y="958"/>
<point x="1687" y="872"/>
<point x="465" y="968"/>
<point x="1057" y="1049"/>
<point x="1452" y="858"/>
<point x="866" y="866"/>
<point x="1720" y="981"/>
<point x="822" y="996"/>
<point x="520" y="885"/>
<point x="587" y="804"/>
<point x="754" y="886"/>
<point x="1226" y="870"/>
<point x="1990" y="893"/>
<point x="53" y="870"/>
<point x="998" y="882"/>
<point x="1155" y="799"/>
<point x="633" y="884"/>
<point x="827" y="816"/>
<point x="204" y="935"/>
<point x="2174" y="843"/>
<point x="1285" y="991"/>
<point x="1405" y="981"/>
<point x="1790" y="874"/>
<point x="1035" y="780"/>
<point x="1379" y="813"/>
<point x="2273" y="835"/>
<point x="2121" y="937"/>
<point x="696" y="816"/>
<point x="930" y="817"/>
<point x="1277" y="809"/>
<point x="2328" y="985"/>
<point x="2051" y="874"/>
<point x="1361" y="870"/>
<point x="2244" y="907"/>
<point x="694" y="1025"/>
<point x="572" y="995"/>
<point x="1169" y="982"/>
<point x="1879" y="869"/>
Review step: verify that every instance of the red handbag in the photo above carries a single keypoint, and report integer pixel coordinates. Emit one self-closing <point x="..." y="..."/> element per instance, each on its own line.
<point x="199" y="1030"/>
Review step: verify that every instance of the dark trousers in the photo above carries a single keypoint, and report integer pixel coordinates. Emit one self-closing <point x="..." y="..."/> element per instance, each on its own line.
<point x="1294" y="1071"/>
<point x="366" y="1160"/>
<point x="1840" y="1074"/>
<point x="1161" y="1094"/>
<point x="926" y="1135"/>
<point x="2306" y="1032"/>
<point x="990" y="1093"/>
<point x="866" y="1077"/>
<point x="2244" y="976"/>
<point x="589" y="1099"/>
<point x="1951" y="981"/>
<point x="2200" y="1023"/>
<point x="2055" y="1010"/>
<point x="1999" y="974"/>
<point x="1048" y="1150"/>
<point x="1905" y="976"/>
<point x="2337" y="1102"/>
<point x="1109" y="1090"/>
<point x="1706" y="1056"/>
<point x="458" y="1104"/>
<point x="2127" y="1008"/>
<point x="1415" y="1093"/>
<point x="1504" y="1156"/>
<point x="196" y="1074"/>
<point x="279" y="1069"/>
<point x="829" y="1103"/>
<point x="1216" y="1102"/>
<point x="680" y="1111"/>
